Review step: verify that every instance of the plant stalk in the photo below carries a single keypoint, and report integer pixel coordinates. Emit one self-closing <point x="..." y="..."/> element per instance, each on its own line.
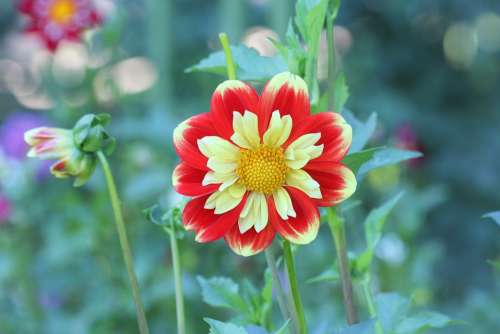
<point x="231" y="70"/>
<point x="179" y="295"/>
<point x="371" y="305"/>
<point x="338" y="232"/>
<point x="125" y="247"/>
<point x="280" y="293"/>
<point x="331" y="63"/>
<point x="294" y="286"/>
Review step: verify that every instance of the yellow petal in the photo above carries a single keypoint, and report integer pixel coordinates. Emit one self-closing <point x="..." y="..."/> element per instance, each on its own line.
<point x="283" y="203"/>
<point x="246" y="130"/>
<point x="225" y="200"/>
<point x="300" y="179"/>
<point x="302" y="150"/>
<point x="278" y="131"/>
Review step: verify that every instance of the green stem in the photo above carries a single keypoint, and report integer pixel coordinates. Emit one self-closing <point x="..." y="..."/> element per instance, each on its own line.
<point x="331" y="62"/>
<point x="231" y="70"/>
<point x="125" y="247"/>
<point x="338" y="232"/>
<point x="294" y="286"/>
<point x="371" y="305"/>
<point x="280" y="293"/>
<point x="179" y="296"/>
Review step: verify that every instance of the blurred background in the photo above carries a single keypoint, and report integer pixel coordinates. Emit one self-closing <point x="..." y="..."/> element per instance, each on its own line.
<point x="429" y="69"/>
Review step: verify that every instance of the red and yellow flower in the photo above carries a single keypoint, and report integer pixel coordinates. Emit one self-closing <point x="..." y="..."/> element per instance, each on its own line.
<point x="257" y="165"/>
<point x="57" y="20"/>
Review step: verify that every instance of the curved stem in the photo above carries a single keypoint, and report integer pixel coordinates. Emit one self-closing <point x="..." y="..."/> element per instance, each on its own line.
<point x="179" y="295"/>
<point x="231" y="70"/>
<point x="125" y="247"/>
<point x="294" y="286"/>
<point x="371" y="305"/>
<point x="280" y="293"/>
<point x="338" y="232"/>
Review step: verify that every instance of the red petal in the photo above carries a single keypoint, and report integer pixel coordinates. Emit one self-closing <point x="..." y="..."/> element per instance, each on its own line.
<point x="186" y="136"/>
<point x="25" y="6"/>
<point x="337" y="182"/>
<point x="207" y="225"/>
<point x="250" y="242"/>
<point x="336" y="134"/>
<point x="187" y="181"/>
<point x="230" y="96"/>
<point x="304" y="227"/>
<point x="287" y="93"/>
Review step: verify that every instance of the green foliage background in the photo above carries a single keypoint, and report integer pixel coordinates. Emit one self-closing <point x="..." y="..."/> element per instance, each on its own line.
<point x="60" y="266"/>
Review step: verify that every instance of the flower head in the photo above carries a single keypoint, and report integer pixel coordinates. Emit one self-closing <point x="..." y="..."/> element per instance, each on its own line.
<point x="57" y="20"/>
<point x="73" y="149"/>
<point x="257" y="165"/>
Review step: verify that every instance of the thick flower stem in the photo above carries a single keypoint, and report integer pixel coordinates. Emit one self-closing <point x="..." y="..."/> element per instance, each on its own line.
<point x="280" y="293"/>
<point x="294" y="286"/>
<point x="231" y="70"/>
<point x="179" y="295"/>
<point x="367" y="292"/>
<point x="122" y="235"/>
<point x="338" y="232"/>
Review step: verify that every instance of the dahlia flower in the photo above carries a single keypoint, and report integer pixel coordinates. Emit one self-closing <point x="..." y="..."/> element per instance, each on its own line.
<point x="57" y="20"/>
<point x="261" y="165"/>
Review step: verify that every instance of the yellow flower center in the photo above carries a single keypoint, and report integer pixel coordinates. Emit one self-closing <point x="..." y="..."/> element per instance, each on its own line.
<point x="62" y="11"/>
<point x="262" y="169"/>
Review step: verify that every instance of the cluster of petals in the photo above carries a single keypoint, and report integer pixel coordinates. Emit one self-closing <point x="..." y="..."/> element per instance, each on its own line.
<point x="260" y="165"/>
<point x="57" y="20"/>
<point x="59" y="145"/>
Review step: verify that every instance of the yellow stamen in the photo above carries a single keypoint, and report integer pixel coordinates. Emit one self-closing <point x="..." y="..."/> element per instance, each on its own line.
<point x="262" y="169"/>
<point x="62" y="11"/>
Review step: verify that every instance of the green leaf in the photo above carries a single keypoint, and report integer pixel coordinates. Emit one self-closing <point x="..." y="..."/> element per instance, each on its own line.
<point x="421" y="322"/>
<point x="391" y="309"/>
<point x="361" y="131"/>
<point x="222" y="292"/>
<point x="355" y="160"/>
<point x="385" y="157"/>
<point x="374" y="224"/>
<point x="310" y="18"/>
<point x="218" y="327"/>
<point x="250" y="65"/>
<point x="329" y="275"/>
<point x="341" y="92"/>
<point x="493" y="215"/>
<point x="495" y="264"/>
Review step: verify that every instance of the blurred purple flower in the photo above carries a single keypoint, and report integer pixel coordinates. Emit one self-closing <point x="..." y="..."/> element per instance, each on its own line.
<point x="5" y="209"/>
<point x="12" y="133"/>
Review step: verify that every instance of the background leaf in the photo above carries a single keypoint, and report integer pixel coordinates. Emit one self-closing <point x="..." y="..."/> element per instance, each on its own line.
<point x="250" y="66"/>
<point x="422" y="321"/>
<point x="218" y="327"/>
<point x="385" y="157"/>
<point x="493" y="215"/>
<point x="222" y="292"/>
<point x="361" y="131"/>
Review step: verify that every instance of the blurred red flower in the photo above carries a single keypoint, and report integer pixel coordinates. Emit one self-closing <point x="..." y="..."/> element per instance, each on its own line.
<point x="57" y="20"/>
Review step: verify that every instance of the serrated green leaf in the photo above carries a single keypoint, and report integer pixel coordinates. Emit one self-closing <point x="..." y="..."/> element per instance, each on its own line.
<point x="495" y="215"/>
<point x="422" y="322"/>
<point x="250" y="65"/>
<point x="386" y="157"/>
<point x="219" y="327"/>
<point x="355" y="160"/>
<point x="361" y="131"/>
<point x="391" y="309"/>
<point x="341" y="93"/>
<point x="329" y="275"/>
<point x="222" y="292"/>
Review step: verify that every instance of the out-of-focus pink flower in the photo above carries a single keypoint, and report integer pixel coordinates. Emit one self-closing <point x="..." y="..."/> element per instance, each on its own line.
<point x="406" y="138"/>
<point x="57" y="20"/>
<point x="259" y="39"/>
<point x="12" y="133"/>
<point x="5" y="209"/>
